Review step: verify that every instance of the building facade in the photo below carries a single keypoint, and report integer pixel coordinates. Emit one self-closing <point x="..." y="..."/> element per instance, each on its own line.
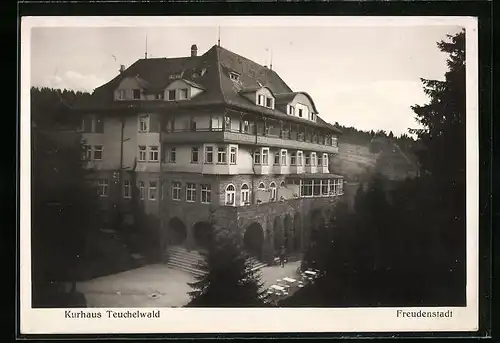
<point x="212" y="136"/>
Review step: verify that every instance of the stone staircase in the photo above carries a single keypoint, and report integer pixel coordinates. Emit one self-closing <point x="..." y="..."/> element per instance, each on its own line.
<point x="257" y="265"/>
<point x="182" y="259"/>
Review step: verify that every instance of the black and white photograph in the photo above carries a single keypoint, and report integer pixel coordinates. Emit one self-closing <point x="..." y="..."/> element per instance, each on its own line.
<point x="241" y="174"/>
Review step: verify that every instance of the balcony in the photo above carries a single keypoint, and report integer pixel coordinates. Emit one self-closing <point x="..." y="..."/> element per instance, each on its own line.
<point x="235" y="137"/>
<point x="323" y="169"/>
<point x="297" y="169"/>
<point x="261" y="169"/>
<point x="295" y="144"/>
<point x="311" y="169"/>
<point x="280" y="169"/>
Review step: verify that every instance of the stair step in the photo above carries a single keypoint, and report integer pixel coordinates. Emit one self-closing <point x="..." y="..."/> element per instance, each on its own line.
<point x="182" y="262"/>
<point x="183" y="268"/>
<point x="180" y="258"/>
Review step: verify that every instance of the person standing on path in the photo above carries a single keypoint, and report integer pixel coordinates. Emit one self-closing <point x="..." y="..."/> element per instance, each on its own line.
<point x="282" y="256"/>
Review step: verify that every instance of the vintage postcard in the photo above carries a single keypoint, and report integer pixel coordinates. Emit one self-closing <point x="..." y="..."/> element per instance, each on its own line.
<point x="249" y="174"/>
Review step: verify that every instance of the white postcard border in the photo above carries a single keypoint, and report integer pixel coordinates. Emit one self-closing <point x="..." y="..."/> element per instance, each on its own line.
<point x="190" y="320"/>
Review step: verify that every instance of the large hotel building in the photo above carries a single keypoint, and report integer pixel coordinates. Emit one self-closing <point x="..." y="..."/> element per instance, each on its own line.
<point x="212" y="135"/>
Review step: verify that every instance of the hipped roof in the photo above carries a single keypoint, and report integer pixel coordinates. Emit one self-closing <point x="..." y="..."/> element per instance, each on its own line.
<point x="210" y="72"/>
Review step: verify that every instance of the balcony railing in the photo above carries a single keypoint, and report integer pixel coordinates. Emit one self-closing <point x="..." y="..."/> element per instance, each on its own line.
<point x="218" y="135"/>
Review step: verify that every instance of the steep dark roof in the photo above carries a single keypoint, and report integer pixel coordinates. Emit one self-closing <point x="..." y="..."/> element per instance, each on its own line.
<point x="332" y="127"/>
<point x="211" y="72"/>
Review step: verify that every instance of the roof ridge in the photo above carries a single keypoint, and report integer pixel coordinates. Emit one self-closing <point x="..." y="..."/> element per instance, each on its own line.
<point x="246" y="58"/>
<point x="279" y="77"/>
<point x="217" y="59"/>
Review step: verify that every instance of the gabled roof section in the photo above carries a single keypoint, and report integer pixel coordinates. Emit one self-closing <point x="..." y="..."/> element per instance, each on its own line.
<point x="156" y="74"/>
<point x="255" y="89"/>
<point x="193" y="84"/>
<point x="253" y="76"/>
<point x="286" y="98"/>
<point x="143" y="83"/>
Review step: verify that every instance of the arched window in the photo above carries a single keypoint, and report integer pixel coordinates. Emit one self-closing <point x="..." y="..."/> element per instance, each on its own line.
<point x="245" y="194"/>
<point x="282" y="184"/>
<point x="230" y="195"/>
<point x="262" y="186"/>
<point x="272" y="188"/>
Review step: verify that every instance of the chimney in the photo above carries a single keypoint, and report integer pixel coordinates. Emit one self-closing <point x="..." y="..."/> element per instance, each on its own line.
<point x="122" y="68"/>
<point x="194" y="50"/>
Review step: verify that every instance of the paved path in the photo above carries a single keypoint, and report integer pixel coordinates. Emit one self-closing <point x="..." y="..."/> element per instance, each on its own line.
<point x="156" y="286"/>
<point x="149" y="286"/>
<point x="271" y="274"/>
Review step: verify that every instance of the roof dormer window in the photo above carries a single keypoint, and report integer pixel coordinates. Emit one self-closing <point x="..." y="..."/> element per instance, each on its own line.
<point x="183" y="94"/>
<point x="269" y="102"/>
<point x="234" y="76"/>
<point x="136" y="94"/>
<point x="171" y="95"/>
<point x="260" y="100"/>
<point x="291" y="110"/>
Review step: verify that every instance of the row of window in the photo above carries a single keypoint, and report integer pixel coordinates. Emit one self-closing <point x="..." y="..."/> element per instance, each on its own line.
<point x="92" y="152"/>
<point x="230" y="193"/>
<point x="321" y="187"/>
<point x="307" y="188"/>
<point x="150" y="153"/>
<point x="210" y="153"/>
<point x="103" y="189"/>
<point x="261" y="156"/>
<point x="291" y="110"/>
<point x="190" y="189"/>
<point x="265" y="101"/>
<point x="172" y="94"/>
<point x="245" y="126"/>
<point x="149" y="190"/>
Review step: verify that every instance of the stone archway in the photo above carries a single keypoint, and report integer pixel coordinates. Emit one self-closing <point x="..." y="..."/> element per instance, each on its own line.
<point x="317" y="223"/>
<point x="298" y="234"/>
<point x="289" y="233"/>
<point x="203" y="234"/>
<point x="253" y="239"/>
<point x="177" y="232"/>
<point x="278" y="234"/>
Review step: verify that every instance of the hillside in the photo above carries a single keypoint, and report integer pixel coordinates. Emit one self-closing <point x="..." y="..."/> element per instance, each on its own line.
<point x="356" y="163"/>
<point x="353" y="161"/>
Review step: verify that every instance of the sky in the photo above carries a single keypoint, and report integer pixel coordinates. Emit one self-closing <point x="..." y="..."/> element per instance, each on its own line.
<point x="366" y="77"/>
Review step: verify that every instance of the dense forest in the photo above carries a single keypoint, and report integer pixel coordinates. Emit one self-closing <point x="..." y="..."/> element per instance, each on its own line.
<point x="352" y="135"/>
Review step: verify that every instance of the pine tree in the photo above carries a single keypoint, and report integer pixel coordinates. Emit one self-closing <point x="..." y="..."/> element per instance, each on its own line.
<point x="443" y="118"/>
<point x="441" y="156"/>
<point x="228" y="279"/>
